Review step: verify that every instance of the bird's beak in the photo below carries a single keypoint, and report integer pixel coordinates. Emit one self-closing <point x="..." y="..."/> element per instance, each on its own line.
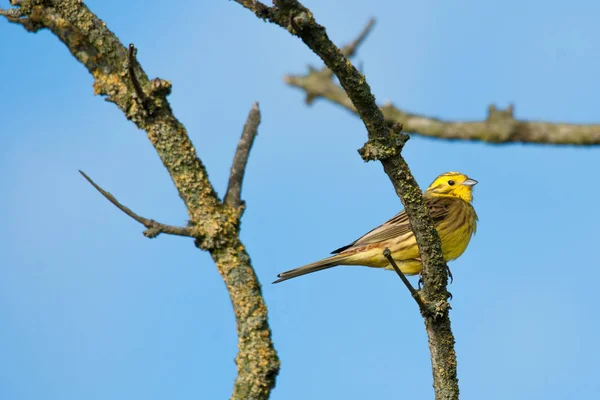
<point x="470" y="182"/>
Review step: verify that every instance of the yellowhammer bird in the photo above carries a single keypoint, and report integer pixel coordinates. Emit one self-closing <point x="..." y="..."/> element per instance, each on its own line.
<point x="448" y="199"/>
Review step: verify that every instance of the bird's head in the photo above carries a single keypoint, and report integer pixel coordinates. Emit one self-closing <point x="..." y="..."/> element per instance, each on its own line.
<point x="452" y="184"/>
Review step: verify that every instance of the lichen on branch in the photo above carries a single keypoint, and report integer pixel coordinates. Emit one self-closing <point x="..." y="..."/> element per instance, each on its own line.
<point x="300" y="21"/>
<point x="214" y="225"/>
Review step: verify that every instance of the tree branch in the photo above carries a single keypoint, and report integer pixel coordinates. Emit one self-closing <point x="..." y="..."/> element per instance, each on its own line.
<point x="215" y="225"/>
<point x="20" y="15"/>
<point x="131" y="61"/>
<point x="351" y="48"/>
<point x="153" y="228"/>
<point x="500" y="126"/>
<point x="240" y="160"/>
<point x="384" y="144"/>
<point x="422" y="307"/>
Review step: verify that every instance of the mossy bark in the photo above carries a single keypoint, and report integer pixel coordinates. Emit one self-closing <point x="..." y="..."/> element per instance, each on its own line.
<point x="385" y="144"/>
<point x="216" y="225"/>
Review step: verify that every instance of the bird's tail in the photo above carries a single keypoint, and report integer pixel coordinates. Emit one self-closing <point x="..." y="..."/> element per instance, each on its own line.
<point x="310" y="268"/>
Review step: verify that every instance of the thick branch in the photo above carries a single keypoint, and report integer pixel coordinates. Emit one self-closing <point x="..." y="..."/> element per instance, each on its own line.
<point x="153" y="228"/>
<point x="500" y="126"/>
<point x="240" y="160"/>
<point x="385" y="145"/>
<point x="215" y="225"/>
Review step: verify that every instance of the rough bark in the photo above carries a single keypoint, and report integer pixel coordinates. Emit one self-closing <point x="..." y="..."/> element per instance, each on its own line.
<point x="214" y="225"/>
<point x="384" y="144"/>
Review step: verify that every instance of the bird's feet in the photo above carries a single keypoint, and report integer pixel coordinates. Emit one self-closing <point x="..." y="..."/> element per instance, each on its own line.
<point x="449" y="273"/>
<point x="420" y="283"/>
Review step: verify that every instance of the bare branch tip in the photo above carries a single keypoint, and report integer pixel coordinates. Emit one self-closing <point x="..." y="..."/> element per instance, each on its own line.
<point x="350" y="49"/>
<point x="87" y="178"/>
<point x="240" y="160"/>
<point x="370" y="25"/>
<point x="254" y="112"/>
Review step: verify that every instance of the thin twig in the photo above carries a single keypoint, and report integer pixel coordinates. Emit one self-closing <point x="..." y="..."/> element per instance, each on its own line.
<point x="350" y="49"/>
<point x="240" y="160"/>
<point x="131" y="61"/>
<point x="154" y="228"/>
<point x="415" y="294"/>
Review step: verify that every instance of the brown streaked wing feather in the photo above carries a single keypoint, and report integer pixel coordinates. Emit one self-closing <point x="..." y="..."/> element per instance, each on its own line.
<point x="439" y="207"/>
<point x="399" y="224"/>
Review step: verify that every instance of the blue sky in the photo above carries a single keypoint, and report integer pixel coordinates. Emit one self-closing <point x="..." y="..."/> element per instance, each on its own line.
<point x="92" y="309"/>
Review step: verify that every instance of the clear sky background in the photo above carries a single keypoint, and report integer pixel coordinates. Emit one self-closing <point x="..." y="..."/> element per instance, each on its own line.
<point x="91" y="309"/>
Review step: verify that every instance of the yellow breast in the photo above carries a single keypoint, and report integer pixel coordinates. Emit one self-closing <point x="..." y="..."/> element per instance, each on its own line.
<point x="457" y="229"/>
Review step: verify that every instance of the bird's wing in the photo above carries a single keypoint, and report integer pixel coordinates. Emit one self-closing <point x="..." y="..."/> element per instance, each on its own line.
<point x="399" y="224"/>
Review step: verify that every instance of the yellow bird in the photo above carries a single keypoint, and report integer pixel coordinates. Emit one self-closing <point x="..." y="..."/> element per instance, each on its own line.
<point x="448" y="199"/>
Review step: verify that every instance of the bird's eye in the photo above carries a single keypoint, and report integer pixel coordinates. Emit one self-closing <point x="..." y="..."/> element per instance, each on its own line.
<point x="451" y="182"/>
